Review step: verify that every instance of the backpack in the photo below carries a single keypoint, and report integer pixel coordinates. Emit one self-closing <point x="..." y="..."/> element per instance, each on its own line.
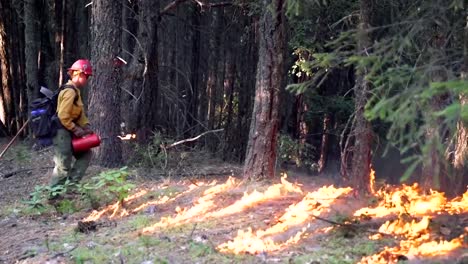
<point x="43" y="116"/>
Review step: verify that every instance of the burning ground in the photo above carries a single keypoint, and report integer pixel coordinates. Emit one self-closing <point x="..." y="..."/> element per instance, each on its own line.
<point x="222" y="219"/>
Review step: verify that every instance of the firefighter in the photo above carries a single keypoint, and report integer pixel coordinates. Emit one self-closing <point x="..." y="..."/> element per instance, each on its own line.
<point x="72" y="123"/>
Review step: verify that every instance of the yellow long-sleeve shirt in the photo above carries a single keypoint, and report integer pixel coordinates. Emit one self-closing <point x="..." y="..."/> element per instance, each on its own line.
<point x="70" y="111"/>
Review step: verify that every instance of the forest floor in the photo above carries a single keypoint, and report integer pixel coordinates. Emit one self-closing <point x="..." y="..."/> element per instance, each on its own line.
<point x="208" y="216"/>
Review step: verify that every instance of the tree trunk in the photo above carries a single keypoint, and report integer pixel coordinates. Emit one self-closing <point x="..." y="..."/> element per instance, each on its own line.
<point x="434" y="167"/>
<point x="261" y="148"/>
<point x="460" y="162"/>
<point x="18" y="75"/>
<point x="105" y="91"/>
<point x="229" y="90"/>
<point x="192" y="97"/>
<point x="6" y="100"/>
<point x="325" y="144"/>
<point x="13" y="100"/>
<point x="362" y="133"/>
<point x="248" y="59"/>
<point x="146" y="110"/>
<point x="214" y="61"/>
<point x="32" y="39"/>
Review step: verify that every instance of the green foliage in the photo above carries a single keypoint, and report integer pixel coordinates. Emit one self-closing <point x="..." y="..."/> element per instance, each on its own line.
<point x="415" y="78"/>
<point x="292" y="151"/>
<point x="152" y="154"/>
<point x="200" y="249"/>
<point x="36" y="197"/>
<point x="149" y="241"/>
<point x="86" y="255"/>
<point x="66" y="206"/>
<point x="112" y="182"/>
<point x="42" y="193"/>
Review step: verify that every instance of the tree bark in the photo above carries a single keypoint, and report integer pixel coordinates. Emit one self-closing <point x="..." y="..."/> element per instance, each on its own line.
<point x="260" y="159"/>
<point x="248" y="59"/>
<point x="146" y="110"/>
<point x="105" y="91"/>
<point x="460" y="162"/>
<point x="362" y="133"/>
<point x="214" y="62"/>
<point x="325" y="144"/>
<point x="434" y="175"/>
<point x="32" y="40"/>
<point x="6" y="100"/>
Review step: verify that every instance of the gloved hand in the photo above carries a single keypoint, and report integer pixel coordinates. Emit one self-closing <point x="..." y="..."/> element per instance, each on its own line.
<point x="78" y="131"/>
<point x="87" y="129"/>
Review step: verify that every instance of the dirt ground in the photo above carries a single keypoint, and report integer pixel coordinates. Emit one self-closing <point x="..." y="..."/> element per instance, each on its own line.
<point x="147" y="235"/>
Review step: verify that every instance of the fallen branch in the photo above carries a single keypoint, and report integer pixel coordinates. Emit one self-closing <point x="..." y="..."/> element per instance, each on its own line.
<point x="350" y="225"/>
<point x="191" y="139"/>
<point x="10" y="174"/>
<point x="14" y="138"/>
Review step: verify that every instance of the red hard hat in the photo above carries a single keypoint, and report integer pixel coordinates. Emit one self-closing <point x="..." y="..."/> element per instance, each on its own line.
<point x="82" y="65"/>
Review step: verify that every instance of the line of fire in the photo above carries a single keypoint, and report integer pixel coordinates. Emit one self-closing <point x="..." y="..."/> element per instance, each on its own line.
<point x="292" y="214"/>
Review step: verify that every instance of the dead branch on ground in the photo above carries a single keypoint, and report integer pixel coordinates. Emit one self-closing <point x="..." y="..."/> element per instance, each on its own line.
<point x="13" y="173"/>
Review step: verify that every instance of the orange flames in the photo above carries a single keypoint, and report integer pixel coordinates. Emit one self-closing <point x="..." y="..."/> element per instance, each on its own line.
<point x="202" y="205"/>
<point x="260" y="241"/>
<point x="408" y="199"/>
<point x="114" y="208"/>
<point x="409" y="202"/>
<point x="409" y="210"/>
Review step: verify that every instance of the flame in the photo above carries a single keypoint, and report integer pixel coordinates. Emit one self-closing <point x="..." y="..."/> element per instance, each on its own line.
<point x="127" y="137"/>
<point x="400" y="227"/>
<point x="420" y="247"/>
<point x="404" y="200"/>
<point x="372" y="181"/>
<point x="166" y="198"/>
<point x="114" y="208"/>
<point x="255" y="197"/>
<point x="312" y="204"/>
<point x="412" y="207"/>
<point x="202" y="205"/>
<point x="409" y="201"/>
<point x="458" y="204"/>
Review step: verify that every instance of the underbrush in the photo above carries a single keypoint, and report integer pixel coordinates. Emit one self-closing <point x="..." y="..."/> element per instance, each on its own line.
<point x="70" y="197"/>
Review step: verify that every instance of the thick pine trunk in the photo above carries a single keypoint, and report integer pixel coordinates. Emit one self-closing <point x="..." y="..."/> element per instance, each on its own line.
<point x="105" y="91"/>
<point x="248" y="59"/>
<point x="146" y="110"/>
<point x="260" y="159"/>
<point x="460" y="162"/>
<point x="362" y="133"/>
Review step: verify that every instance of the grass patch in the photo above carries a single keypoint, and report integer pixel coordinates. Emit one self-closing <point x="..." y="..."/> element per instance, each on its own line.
<point x="95" y="255"/>
<point x="141" y="221"/>
<point x="197" y="249"/>
<point x="149" y="241"/>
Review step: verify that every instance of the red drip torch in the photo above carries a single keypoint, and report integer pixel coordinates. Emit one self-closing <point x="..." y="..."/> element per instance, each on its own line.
<point x="85" y="143"/>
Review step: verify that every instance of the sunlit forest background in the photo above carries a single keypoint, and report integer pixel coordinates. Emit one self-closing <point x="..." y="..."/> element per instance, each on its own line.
<point x="327" y="87"/>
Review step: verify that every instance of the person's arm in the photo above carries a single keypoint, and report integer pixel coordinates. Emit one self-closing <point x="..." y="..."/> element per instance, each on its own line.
<point x="64" y="108"/>
<point x="83" y="120"/>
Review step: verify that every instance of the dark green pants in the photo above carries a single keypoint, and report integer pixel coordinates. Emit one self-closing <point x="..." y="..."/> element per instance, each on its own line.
<point x="64" y="169"/>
